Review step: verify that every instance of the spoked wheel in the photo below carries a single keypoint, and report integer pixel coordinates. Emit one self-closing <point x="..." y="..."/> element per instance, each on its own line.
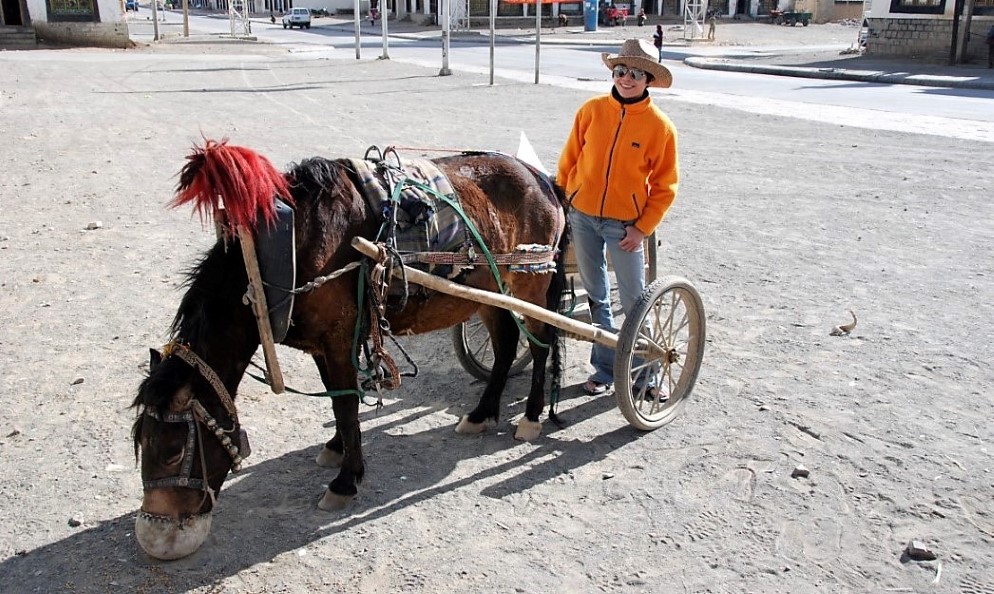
<point x="475" y="351"/>
<point x="659" y="353"/>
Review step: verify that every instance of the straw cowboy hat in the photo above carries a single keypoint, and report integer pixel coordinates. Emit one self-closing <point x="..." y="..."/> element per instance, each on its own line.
<point x="636" y="53"/>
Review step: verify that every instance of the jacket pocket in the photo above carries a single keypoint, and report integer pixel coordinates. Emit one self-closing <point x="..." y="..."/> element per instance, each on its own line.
<point x="635" y="204"/>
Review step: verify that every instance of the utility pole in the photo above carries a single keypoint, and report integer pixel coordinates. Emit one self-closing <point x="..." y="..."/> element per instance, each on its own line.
<point x="186" y="18"/>
<point x="493" y="37"/>
<point x="384" y="10"/>
<point x="355" y="12"/>
<point x="957" y="12"/>
<point x="967" y="22"/>
<point x="155" y="20"/>
<point x="445" y="39"/>
<point x="538" y="36"/>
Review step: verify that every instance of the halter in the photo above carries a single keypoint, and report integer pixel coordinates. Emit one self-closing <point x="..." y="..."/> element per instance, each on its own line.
<point x="194" y="415"/>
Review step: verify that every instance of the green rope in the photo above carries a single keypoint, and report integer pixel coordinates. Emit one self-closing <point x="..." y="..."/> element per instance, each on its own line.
<point x="491" y="262"/>
<point x="356" y="336"/>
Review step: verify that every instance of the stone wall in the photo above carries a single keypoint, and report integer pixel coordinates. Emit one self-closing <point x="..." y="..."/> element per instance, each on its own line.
<point x="923" y="38"/>
<point x="84" y="34"/>
<point x="107" y="28"/>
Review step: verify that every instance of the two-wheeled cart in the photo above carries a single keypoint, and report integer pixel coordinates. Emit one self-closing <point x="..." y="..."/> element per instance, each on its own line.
<point x="789" y="17"/>
<point x="658" y="352"/>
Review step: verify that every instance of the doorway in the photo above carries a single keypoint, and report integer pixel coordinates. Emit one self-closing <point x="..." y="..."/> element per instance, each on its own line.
<point x="12" y="13"/>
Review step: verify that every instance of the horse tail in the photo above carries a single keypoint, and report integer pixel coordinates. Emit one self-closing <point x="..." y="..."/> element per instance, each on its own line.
<point x="554" y="297"/>
<point x="240" y="179"/>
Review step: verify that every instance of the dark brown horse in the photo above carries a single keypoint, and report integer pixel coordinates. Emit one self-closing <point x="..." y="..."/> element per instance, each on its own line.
<point x="187" y="429"/>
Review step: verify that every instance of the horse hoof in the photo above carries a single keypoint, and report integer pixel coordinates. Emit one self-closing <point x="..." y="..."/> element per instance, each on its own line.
<point x="334" y="501"/>
<point x="528" y="430"/>
<point x="329" y="458"/>
<point x="465" y="427"/>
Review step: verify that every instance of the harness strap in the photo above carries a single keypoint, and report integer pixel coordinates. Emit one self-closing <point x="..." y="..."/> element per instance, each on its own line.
<point x="470" y="259"/>
<point x="191" y="358"/>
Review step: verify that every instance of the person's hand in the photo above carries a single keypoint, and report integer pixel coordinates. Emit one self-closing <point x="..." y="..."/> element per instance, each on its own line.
<point x="633" y="239"/>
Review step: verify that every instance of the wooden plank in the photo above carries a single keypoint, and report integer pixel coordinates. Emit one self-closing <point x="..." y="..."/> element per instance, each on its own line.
<point x="261" y="310"/>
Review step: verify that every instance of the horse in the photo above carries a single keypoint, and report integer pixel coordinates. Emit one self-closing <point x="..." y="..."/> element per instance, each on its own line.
<point x="187" y="433"/>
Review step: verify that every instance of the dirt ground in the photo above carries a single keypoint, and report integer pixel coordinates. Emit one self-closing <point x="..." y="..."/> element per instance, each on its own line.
<point x="893" y="421"/>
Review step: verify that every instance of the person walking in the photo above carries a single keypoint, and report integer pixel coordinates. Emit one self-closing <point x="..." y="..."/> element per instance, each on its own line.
<point x="657" y="40"/>
<point x="712" y="24"/>
<point x="619" y="171"/>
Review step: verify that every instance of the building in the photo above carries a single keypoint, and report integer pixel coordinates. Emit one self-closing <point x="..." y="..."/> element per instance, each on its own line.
<point x="71" y="22"/>
<point x="923" y="29"/>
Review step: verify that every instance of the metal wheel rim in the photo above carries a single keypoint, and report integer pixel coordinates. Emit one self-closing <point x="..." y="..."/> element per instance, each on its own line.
<point x="665" y="353"/>
<point x="476" y="340"/>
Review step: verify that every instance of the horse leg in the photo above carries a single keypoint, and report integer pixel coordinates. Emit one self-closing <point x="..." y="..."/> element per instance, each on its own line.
<point x="343" y="488"/>
<point x="332" y="453"/>
<point x="529" y="427"/>
<point x="504" y="338"/>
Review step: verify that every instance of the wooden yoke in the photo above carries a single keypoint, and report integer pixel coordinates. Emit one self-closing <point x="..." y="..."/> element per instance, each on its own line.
<point x="261" y="310"/>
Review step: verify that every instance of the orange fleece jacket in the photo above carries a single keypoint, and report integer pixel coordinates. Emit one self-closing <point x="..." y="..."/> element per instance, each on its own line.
<point x="620" y="162"/>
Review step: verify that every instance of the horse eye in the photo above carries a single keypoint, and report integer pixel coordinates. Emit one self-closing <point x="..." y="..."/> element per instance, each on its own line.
<point x="171" y="460"/>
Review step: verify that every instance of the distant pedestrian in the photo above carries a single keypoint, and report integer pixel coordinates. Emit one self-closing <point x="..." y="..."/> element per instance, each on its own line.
<point x="641" y="18"/>
<point x="990" y="47"/>
<point x="712" y="24"/>
<point x="657" y="40"/>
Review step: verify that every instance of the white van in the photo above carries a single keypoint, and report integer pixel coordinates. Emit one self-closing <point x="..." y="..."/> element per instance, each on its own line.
<point x="297" y="17"/>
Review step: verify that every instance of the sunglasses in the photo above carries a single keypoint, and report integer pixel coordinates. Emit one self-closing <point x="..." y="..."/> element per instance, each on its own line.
<point x="621" y="70"/>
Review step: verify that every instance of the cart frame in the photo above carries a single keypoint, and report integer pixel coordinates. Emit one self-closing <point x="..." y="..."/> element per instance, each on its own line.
<point x="661" y="344"/>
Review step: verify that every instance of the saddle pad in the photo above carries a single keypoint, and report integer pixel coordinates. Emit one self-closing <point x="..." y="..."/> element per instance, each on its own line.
<point x="424" y="223"/>
<point x="274" y="249"/>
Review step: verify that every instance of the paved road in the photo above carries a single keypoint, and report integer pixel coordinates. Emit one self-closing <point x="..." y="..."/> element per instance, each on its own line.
<point x="569" y="59"/>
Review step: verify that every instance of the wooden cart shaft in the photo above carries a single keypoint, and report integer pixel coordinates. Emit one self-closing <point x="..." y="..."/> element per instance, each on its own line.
<point x="435" y="283"/>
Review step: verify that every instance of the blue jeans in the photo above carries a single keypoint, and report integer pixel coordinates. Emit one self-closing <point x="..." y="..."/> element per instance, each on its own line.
<point x="591" y="237"/>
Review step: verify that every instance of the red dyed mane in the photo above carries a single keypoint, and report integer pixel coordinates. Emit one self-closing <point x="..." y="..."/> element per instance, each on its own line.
<point x="244" y="181"/>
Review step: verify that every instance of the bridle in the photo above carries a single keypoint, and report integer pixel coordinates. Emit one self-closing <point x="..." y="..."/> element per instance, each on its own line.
<point x="195" y="415"/>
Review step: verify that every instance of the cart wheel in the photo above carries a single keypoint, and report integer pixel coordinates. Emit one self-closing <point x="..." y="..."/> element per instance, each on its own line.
<point x="661" y="344"/>
<point x="475" y="352"/>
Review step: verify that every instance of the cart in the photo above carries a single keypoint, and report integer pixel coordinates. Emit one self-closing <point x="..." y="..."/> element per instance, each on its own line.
<point x="660" y="344"/>
<point x="789" y="17"/>
<point x="471" y="339"/>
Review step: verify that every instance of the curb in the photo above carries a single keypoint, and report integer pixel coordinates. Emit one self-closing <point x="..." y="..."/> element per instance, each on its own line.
<point x="872" y="76"/>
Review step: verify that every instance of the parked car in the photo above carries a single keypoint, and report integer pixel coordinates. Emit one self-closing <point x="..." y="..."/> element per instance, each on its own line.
<point x="297" y="17"/>
<point x="131" y="5"/>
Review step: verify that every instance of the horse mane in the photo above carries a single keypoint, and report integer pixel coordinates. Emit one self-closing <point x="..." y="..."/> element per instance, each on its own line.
<point x="243" y="181"/>
<point x="317" y="176"/>
<point x="214" y="286"/>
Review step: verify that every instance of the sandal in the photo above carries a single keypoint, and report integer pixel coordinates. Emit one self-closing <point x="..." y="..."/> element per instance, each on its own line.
<point x="652" y="394"/>
<point x="592" y="388"/>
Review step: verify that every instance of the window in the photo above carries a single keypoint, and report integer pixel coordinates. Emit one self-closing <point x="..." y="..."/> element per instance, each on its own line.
<point x="983" y="7"/>
<point x="918" y="6"/>
<point x="72" y="10"/>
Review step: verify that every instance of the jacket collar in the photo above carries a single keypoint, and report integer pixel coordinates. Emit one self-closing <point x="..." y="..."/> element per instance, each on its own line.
<point x="638" y="105"/>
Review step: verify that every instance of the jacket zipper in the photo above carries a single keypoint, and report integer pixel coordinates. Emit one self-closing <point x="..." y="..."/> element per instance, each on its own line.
<point x="610" y="159"/>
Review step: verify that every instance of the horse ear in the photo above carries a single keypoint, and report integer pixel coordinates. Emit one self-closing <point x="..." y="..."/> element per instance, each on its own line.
<point x="154" y="359"/>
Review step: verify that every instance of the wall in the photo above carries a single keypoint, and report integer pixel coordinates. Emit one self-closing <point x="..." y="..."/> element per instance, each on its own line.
<point x="107" y="28"/>
<point x="923" y="37"/>
<point x="829" y="11"/>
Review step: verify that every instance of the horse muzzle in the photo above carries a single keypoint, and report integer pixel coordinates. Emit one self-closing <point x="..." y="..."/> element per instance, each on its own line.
<point x="167" y="539"/>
